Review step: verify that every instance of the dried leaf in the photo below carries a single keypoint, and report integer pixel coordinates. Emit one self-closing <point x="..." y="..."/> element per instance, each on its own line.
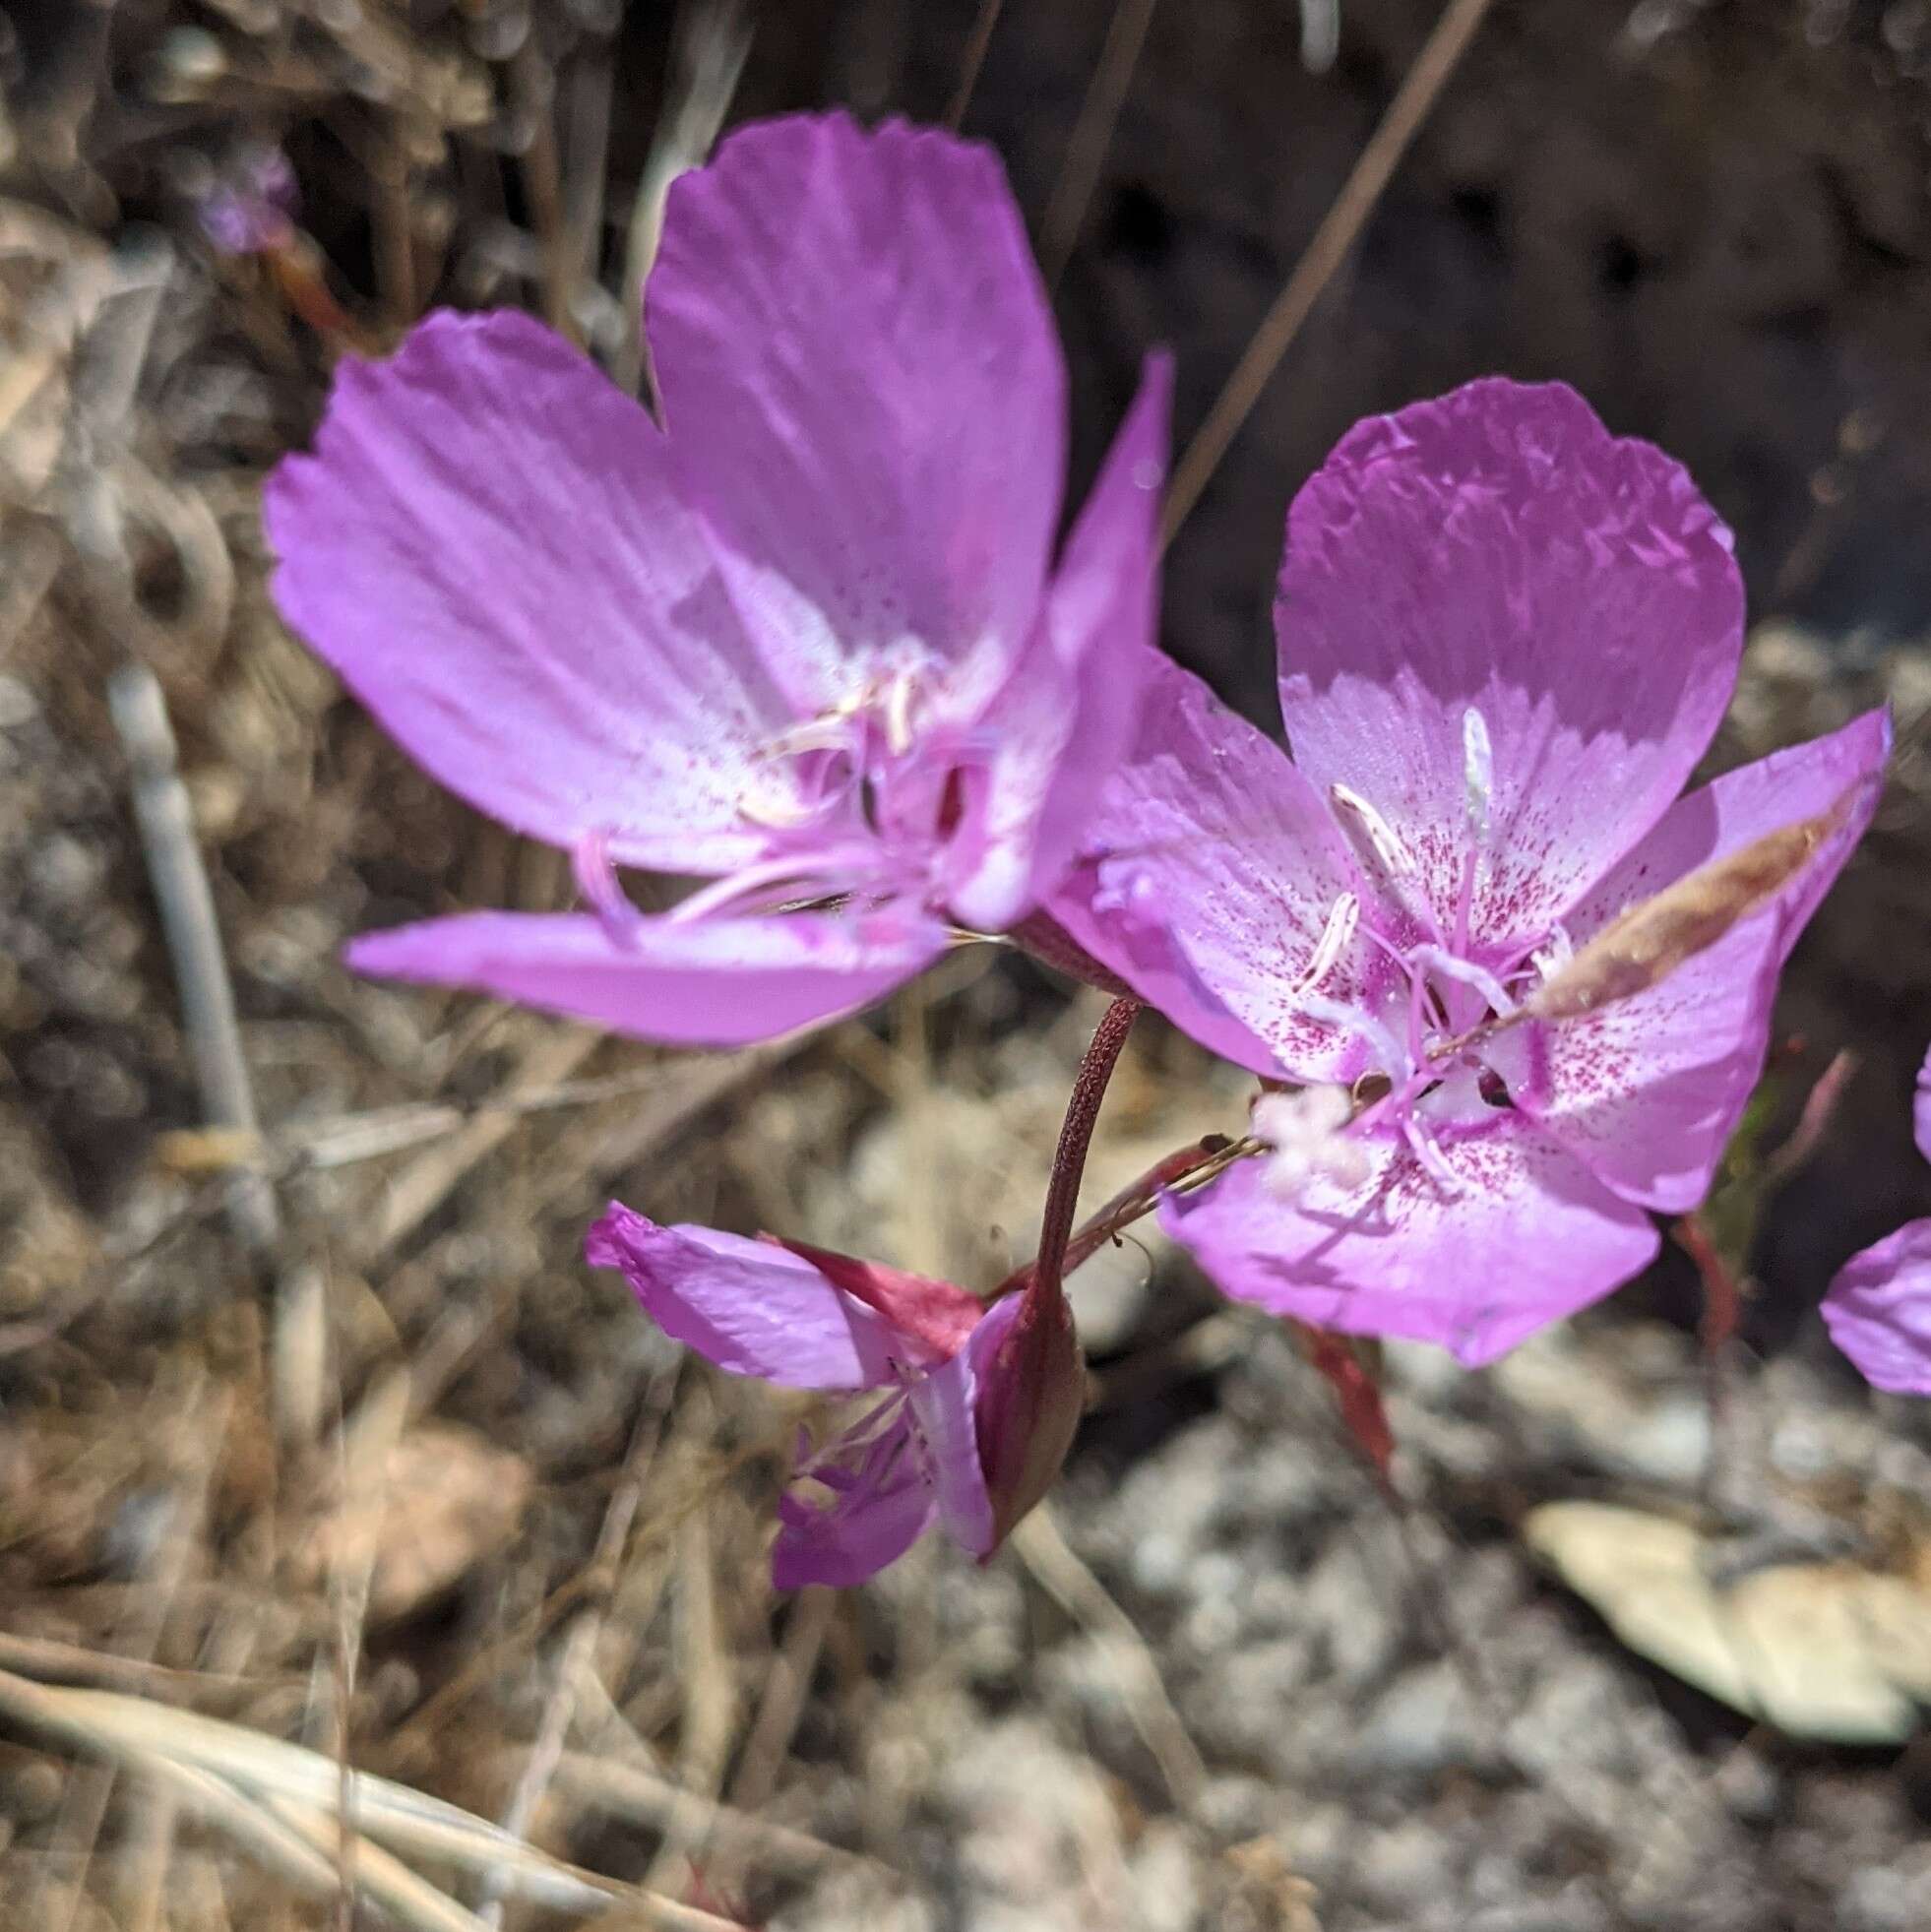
<point x="1828" y="1651"/>
<point x="1644" y="945"/>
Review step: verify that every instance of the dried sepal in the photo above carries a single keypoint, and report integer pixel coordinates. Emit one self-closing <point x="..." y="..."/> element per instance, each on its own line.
<point x="1644" y="945"/>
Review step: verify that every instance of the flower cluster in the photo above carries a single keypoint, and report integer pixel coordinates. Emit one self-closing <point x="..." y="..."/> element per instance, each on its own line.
<point x="805" y="642"/>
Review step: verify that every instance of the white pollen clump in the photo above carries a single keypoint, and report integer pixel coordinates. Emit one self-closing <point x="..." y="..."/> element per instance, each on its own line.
<point x="1357" y="815"/>
<point x="1305" y="1132"/>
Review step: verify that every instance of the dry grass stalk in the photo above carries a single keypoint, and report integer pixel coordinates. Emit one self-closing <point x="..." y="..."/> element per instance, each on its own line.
<point x="1057" y="1569"/>
<point x="193" y="936"/>
<point x="1340" y="227"/>
<point x="1092" y="133"/>
<point x="423" y="1186"/>
<point x="283" y="1800"/>
<point x="1644" y="945"/>
<point x="630" y="1791"/>
<point x="714" y="36"/>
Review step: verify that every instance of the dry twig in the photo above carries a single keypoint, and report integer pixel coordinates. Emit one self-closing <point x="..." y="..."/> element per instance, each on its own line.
<point x="1441" y="53"/>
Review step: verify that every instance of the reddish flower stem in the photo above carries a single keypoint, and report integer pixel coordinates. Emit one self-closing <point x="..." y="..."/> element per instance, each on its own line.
<point x="1357" y="1394"/>
<point x="1075" y="1138"/>
<point x="1722" y="1299"/>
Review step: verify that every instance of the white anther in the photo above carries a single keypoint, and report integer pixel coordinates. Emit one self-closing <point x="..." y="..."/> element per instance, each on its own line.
<point x="1427" y="1150"/>
<point x="1477" y="770"/>
<point x="768" y="802"/>
<point x="896" y="700"/>
<point x="1359" y="815"/>
<point x="1549" y="959"/>
<point x="1305" y="1131"/>
<point x="1335" y="937"/>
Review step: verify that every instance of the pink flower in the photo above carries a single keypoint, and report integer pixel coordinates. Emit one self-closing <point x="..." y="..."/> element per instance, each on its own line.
<point x="806" y="642"/>
<point x="1878" y="1307"/>
<point x="1505" y="640"/>
<point x="976" y="1405"/>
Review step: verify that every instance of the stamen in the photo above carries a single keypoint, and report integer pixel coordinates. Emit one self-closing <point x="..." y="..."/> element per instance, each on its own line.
<point x="1421" y="1143"/>
<point x="829" y="731"/>
<point x="1360" y="814"/>
<point x="895" y="701"/>
<point x="1335" y="936"/>
<point x="601" y="890"/>
<point x="723" y="894"/>
<point x="1550" y="957"/>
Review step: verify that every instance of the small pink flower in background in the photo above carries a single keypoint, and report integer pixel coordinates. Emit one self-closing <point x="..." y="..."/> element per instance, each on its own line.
<point x="1878" y="1307"/>
<point x="250" y="207"/>
<point x="956" y="1381"/>
<point x="807" y="642"/>
<point x="1505" y="638"/>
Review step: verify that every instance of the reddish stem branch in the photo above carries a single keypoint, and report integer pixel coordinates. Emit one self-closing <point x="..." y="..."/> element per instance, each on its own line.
<point x="1198" y="1160"/>
<point x="1075" y="1138"/>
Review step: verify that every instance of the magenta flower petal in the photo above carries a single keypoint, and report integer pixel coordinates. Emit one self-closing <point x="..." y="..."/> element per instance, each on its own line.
<point x="945" y="1409"/>
<point x="1496" y="556"/>
<point x="1878" y="1310"/>
<point x="1527" y="1238"/>
<point x="861" y="378"/>
<point x="1921" y="1109"/>
<point x="1064" y="721"/>
<point x="866" y="1522"/>
<point x="703" y="982"/>
<point x="1218" y="886"/>
<point x="489" y="547"/>
<point x="751" y="1307"/>
<point x="1647" y="1093"/>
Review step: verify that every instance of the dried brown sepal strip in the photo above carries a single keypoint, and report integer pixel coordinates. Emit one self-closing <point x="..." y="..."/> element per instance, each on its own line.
<point x="1644" y="945"/>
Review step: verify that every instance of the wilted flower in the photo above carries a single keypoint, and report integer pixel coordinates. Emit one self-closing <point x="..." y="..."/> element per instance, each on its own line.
<point x="1878" y="1308"/>
<point x="803" y="642"/>
<point x="1505" y="640"/>
<point x="974" y="1407"/>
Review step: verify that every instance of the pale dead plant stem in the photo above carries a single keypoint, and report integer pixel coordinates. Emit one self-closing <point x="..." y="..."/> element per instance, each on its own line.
<point x="1339" y="228"/>
<point x="709" y="1702"/>
<point x="787" y="1683"/>
<point x="588" y="124"/>
<point x="281" y="1802"/>
<point x="712" y="38"/>
<point x="1059" y="1570"/>
<point x="394" y="227"/>
<point x="194" y="937"/>
<point x="579" y="1653"/>
<point x="1092" y="134"/>
<point x="974" y="60"/>
<point x="423" y="1186"/>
